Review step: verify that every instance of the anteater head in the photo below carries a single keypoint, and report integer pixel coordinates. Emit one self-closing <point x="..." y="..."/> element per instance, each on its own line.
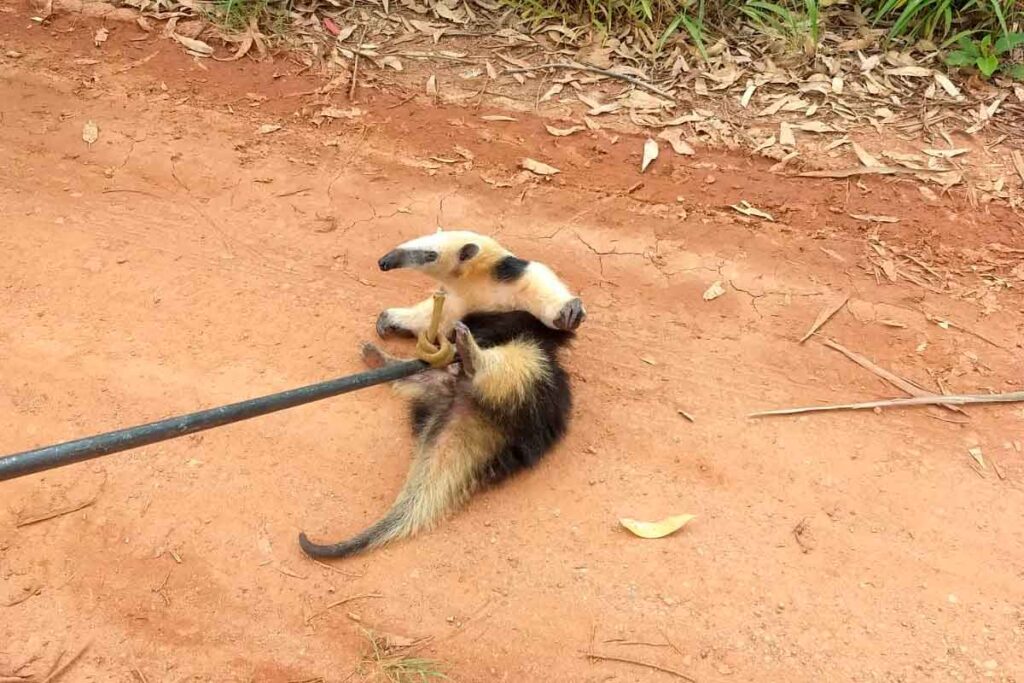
<point x="444" y="254"/>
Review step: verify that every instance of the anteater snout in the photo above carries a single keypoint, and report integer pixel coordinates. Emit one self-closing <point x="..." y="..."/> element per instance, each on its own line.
<point x="390" y="260"/>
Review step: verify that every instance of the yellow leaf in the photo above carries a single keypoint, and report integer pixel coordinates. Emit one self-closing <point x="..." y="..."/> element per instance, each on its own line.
<point x="658" y="529"/>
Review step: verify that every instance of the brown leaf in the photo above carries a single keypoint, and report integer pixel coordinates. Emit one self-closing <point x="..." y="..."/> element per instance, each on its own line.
<point x="716" y="290"/>
<point x="562" y="132"/>
<point x="196" y="47"/>
<point x="872" y="218"/>
<point x="850" y="172"/>
<point x="674" y="137"/>
<point x="746" y="209"/>
<point x="826" y="313"/>
<point x="650" y="154"/>
<point x="658" y="529"/>
<point x="90" y="132"/>
<point x="786" y="136"/>
<point x="538" y="167"/>
<point x="863" y="155"/>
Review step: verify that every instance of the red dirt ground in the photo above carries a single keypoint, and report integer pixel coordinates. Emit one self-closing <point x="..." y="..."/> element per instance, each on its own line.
<point x="183" y="261"/>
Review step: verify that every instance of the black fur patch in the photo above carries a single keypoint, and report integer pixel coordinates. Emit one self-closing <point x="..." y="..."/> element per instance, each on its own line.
<point x="531" y="429"/>
<point x="510" y="268"/>
<point x="468" y="251"/>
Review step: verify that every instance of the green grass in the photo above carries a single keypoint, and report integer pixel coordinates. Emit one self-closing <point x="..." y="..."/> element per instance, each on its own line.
<point x="796" y="25"/>
<point x="235" y="16"/>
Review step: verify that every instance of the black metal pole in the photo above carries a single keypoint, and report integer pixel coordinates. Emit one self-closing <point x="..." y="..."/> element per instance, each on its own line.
<point x="40" y="459"/>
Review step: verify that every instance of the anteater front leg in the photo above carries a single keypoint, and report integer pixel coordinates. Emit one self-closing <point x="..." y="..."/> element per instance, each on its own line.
<point x="410" y="322"/>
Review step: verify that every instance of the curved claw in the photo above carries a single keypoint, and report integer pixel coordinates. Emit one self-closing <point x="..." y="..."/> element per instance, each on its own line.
<point x="464" y="347"/>
<point x="571" y="316"/>
<point x="372" y="356"/>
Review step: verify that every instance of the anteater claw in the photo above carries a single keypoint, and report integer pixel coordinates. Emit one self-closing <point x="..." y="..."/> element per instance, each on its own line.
<point x="571" y="316"/>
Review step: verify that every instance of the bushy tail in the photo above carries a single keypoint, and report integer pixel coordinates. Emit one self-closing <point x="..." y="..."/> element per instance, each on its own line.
<point x="430" y="493"/>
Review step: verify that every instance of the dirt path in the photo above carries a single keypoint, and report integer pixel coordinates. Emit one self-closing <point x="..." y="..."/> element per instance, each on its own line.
<point x="184" y="261"/>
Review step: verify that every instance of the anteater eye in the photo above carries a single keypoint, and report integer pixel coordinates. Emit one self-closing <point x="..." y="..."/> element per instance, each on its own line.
<point x="468" y="251"/>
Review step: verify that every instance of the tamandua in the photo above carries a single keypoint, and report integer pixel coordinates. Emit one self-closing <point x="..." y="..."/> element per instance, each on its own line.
<point x="479" y="276"/>
<point x="496" y="411"/>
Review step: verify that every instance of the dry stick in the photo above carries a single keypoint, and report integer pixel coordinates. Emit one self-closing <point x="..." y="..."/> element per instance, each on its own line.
<point x="338" y="603"/>
<point x="637" y="662"/>
<point x="594" y="70"/>
<point x="825" y="315"/>
<point x="895" y="380"/>
<point x="940" y="321"/>
<point x="56" y="673"/>
<point x="951" y="399"/>
<point x="30" y="593"/>
<point x="355" y="68"/>
<point x="55" y="513"/>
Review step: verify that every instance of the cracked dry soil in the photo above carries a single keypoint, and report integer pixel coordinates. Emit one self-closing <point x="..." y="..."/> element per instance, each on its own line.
<point x="184" y="261"/>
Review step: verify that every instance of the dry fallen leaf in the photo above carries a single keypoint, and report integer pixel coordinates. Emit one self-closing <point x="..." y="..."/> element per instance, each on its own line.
<point x="977" y="455"/>
<point x="945" y="153"/>
<point x="551" y="92"/>
<point x="537" y="167"/>
<point x="746" y="209"/>
<point x="268" y="128"/>
<point x="497" y="117"/>
<point x="432" y="86"/>
<point x="862" y="154"/>
<point x="872" y="218"/>
<point x="100" y="37"/>
<point x="650" y="154"/>
<point x="786" y="136"/>
<point x="716" y="290"/>
<point x="562" y="132"/>
<point x="196" y="47"/>
<point x="825" y="315"/>
<point x="90" y="132"/>
<point x="658" y="529"/>
<point x="336" y="113"/>
<point x="674" y="137"/>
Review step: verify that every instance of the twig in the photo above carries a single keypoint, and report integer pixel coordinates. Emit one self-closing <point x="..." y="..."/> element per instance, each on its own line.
<point x="56" y="513"/>
<point x="798" y="534"/>
<point x="355" y="68"/>
<point x="825" y="315"/>
<point x="637" y="662"/>
<point x="952" y="399"/>
<point x="339" y="571"/>
<point x="945" y="321"/>
<point x="594" y="70"/>
<point x="338" y="603"/>
<point x="399" y="104"/>
<point x="889" y="377"/>
<point x="56" y="673"/>
<point x="30" y="593"/>
<point x="670" y="643"/>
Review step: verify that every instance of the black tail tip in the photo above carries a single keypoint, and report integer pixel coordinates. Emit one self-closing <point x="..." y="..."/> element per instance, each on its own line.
<point x="308" y="547"/>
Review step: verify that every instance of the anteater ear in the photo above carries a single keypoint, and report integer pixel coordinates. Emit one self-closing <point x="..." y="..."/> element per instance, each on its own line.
<point x="468" y="251"/>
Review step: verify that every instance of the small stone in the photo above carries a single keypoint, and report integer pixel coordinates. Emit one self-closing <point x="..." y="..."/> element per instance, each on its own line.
<point x="953" y="599"/>
<point x="710" y="180"/>
<point x="724" y="670"/>
<point x="990" y="664"/>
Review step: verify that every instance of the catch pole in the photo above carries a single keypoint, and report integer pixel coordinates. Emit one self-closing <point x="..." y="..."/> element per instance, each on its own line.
<point x="49" y="457"/>
<point x="434" y="351"/>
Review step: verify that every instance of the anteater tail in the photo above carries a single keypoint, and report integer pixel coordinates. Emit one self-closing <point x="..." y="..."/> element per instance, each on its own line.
<point x="430" y="494"/>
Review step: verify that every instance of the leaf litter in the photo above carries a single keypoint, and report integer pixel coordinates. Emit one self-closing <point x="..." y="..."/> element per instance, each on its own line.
<point x="856" y="80"/>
